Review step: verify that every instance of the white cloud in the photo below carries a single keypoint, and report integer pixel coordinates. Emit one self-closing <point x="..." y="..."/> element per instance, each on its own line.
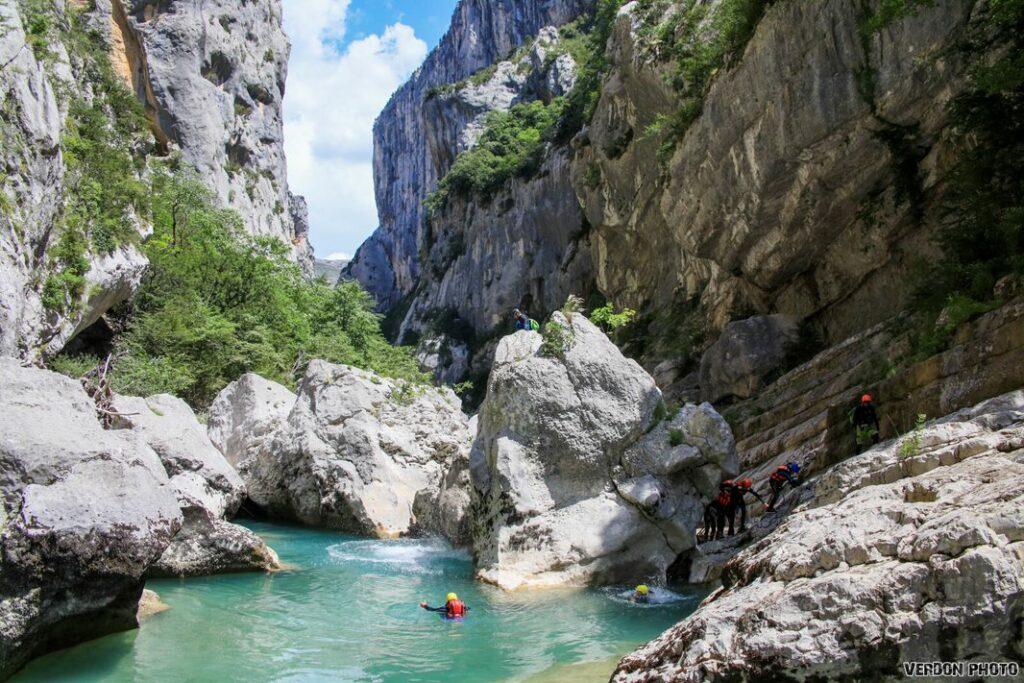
<point x="332" y="99"/>
<point x="339" y="256"/>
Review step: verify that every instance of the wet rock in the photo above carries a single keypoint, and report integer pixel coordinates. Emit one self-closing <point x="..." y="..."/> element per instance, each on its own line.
<point x="85" y="513"/>
<point x="574" y="483"/>
<point x="905" y="553"/>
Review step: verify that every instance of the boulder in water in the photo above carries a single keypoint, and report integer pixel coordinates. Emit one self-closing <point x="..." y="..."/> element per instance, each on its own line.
<point x="577" y="481"/>
<point x="85" y="512"/>
<point x="909" y="552"/>
<point x="208" y="490"/>
<point x="356" y="452"/>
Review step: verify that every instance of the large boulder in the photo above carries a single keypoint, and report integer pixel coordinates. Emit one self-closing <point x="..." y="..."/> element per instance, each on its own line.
<point x="910" y="552"/>
<point x="577" y="478"/>
<point x="745" y="354"/>
<point x="85" y="512"/>
<point x="356" y="452"/>
<point x="208" y="490"/>
<point x="246" y="415"/>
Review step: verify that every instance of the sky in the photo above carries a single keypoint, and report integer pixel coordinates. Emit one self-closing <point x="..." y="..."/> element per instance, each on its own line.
<point x="348" y="56"/>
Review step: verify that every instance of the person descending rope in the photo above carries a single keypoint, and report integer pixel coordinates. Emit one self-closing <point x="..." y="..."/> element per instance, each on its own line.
<point x="737" y="490"/>
<point x="453" y="609"/>
<point x="783" y="474"/>
<point x="641" y="595"/>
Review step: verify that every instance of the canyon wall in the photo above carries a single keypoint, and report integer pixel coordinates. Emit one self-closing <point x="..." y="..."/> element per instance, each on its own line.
<point x="408" y="160"/>
<point x="209" y="79"/>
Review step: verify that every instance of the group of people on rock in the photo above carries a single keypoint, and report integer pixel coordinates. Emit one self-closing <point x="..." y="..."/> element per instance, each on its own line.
<point x="731" y="499"/>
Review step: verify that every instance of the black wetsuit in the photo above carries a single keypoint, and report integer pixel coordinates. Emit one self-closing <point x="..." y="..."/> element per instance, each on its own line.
<point x="737" y="503"/>
<point x="444" y="609"/>
<point x="778" y="481"/>
<point x="865" y="416"/>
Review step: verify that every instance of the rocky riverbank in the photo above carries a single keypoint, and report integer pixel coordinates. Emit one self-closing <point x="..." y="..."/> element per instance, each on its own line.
<point x="911" y="551"/>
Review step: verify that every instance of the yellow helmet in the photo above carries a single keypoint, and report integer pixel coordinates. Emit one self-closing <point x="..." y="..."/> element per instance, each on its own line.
<point x="452" y="596"/>
<point x="642" y="589"/>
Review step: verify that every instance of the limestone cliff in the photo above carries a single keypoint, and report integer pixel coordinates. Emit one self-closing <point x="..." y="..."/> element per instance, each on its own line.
<point x="770" y="172"/>
<point x="413" y="152"/>
<point x="76" y="150"/>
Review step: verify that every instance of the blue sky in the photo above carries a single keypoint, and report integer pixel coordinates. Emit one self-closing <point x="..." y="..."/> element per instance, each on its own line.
<point x="348" y="56"/>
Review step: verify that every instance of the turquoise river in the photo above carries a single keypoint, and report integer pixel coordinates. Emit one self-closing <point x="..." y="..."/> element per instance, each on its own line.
<point x="348" y="610"/>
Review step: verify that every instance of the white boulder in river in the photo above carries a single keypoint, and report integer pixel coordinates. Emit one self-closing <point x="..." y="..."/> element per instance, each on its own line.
<point x="356" y="452"/>
<point x="577" y="478"/>
<point x="84" y="513"/>
<point x="209" y="490"/>
<point x="910" y="552"/>
<point x="246" y="415"/>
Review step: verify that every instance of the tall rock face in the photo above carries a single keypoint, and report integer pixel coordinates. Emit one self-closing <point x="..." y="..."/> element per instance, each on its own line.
<point x="210" y="81"/>
<point x="212" y="77"/>
<point x="807" y="185"/>
<point x="408" y="161"/>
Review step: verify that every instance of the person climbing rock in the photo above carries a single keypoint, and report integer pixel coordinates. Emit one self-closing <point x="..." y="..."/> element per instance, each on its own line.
<point x="738" y="490"/>
<point x="865" y="423"/>
<point x="453" y="608"/>
<point x="641" y="595"/>
<point x="783" y="474"/>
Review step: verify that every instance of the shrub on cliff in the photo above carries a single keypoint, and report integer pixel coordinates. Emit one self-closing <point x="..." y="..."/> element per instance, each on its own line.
<point x="218" y="302"/>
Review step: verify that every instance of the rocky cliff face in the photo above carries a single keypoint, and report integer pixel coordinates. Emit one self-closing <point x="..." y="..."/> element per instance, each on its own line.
<point x="809" y="178"/>
<point x="209" y="81"/>
<point x="805" y="186"/>
<point x="416" y="142"/>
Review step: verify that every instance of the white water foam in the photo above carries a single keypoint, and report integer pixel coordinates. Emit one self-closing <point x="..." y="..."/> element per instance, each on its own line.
<point x="657" y="596"/>
<point x="417" y="556"/>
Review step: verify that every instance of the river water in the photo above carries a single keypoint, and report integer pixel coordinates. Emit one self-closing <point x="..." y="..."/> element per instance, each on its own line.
<point x="349" y="610"/>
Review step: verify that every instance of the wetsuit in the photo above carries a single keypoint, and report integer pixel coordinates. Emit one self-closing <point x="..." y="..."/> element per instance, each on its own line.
<point x="780" y="477"/>
<point x="642" y="599"/>
<point x="450" y="609"/>
<point x="714" y="520"/>
<point x="737" y="503"/>
<point x="865" y="417"/>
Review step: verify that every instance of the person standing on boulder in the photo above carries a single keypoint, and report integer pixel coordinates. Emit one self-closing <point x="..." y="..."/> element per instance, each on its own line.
<point x="865" y="423"/>
<point x="737" y="492"/>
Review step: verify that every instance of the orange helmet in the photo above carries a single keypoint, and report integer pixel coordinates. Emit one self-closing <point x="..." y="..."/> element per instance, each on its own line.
<point x="866" y="398"/>
<point x="746" y="483"/>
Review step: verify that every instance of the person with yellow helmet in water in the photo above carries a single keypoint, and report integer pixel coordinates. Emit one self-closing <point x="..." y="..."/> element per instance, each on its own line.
<point x="641" y="595"/>
<point x="453" y="608"/>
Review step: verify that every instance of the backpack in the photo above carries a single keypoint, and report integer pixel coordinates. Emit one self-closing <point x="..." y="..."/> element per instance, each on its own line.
<point x="534" y="325"/>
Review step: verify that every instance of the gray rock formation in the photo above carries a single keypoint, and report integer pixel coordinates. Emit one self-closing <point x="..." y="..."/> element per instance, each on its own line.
<point x="909" y="552"/>
<point x="211" y="79"/>
<point x="32" y="174"/>
<point x="85" y="512"/>
<point x="745" y="354"/>
<point x="408" y="162"/>
<point x="786" y="194"/>
<point x="208" y="490"/>
<point x="357" y="452"/>
<point x="575" y="484"/>
<point x="246" y="415"/>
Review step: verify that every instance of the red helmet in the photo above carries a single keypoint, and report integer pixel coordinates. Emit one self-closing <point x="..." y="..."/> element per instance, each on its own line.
<point x="745" y="483"/>
<point x="866" y="398"/>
